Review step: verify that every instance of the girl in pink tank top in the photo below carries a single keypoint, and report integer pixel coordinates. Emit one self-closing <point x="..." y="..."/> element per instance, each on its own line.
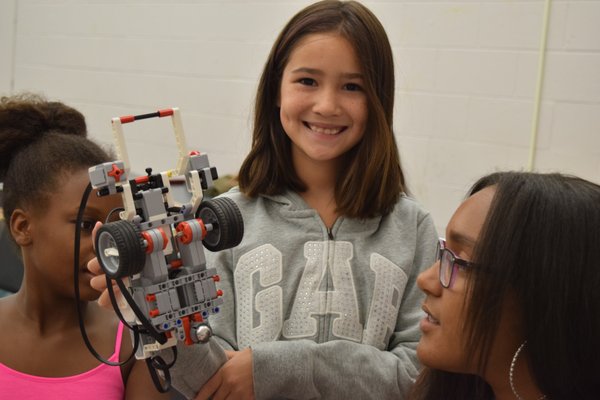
<point x="44" y="159"/>
<point x="105" y="380"/>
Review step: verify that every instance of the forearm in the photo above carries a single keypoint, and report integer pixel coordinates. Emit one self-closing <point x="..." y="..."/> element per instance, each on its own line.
<point x="302" y="369"/>
<point x="195" y="365"/>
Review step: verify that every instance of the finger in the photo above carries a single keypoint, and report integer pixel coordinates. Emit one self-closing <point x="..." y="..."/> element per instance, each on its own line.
<point x="94" y="266"/>
<point x="221" y="394"/>
<point x="104" y="299"/>
<point x="98" y="283"/>
<point x="94" y="231"/>
<point x="210" y="387"/>
<point x="230" y="354"/>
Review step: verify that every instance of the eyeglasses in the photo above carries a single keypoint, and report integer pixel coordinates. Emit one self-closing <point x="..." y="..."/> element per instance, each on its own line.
<point x="449" y="263"/>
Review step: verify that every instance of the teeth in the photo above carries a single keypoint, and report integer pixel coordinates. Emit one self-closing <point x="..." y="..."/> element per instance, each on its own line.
<point x="326" y="131"/>
<point x="432" y="320"/>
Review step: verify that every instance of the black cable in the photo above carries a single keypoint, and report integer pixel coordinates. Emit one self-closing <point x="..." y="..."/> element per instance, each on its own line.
<point x="109" y="287"/>
<point x="154" y="363"/>
<point x="158" y="336"/>
<point x="158" y="363"/>
<point x="76" y="251"/>
<point x="114" y="210"/>
<point x="113" y="301"/>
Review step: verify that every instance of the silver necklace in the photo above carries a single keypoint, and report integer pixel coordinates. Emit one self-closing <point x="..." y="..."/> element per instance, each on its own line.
<point x="512" y="370"/>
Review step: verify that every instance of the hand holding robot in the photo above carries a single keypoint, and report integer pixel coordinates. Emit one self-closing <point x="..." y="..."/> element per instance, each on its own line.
<point x="154" y="254"/>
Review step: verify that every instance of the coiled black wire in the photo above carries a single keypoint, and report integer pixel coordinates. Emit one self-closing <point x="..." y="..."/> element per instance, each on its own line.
<point x="154" y="363"/>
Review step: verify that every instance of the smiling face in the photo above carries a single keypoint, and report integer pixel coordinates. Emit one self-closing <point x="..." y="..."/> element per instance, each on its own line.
<point x="49" y="255"/>
<point x="323" y="108"/>
<point x="442" y="345"/>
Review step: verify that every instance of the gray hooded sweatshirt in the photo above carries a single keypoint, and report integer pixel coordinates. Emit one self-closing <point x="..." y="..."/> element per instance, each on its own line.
<point x="329" y="314"/>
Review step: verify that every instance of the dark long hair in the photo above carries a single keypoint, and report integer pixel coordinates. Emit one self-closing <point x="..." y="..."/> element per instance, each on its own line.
<point x="540" y="242"/>
<point x="40" y="140"/>
<point x="372" y="179"/>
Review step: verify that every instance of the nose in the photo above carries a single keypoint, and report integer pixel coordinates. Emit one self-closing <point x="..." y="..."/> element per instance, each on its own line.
<point x="428" y="280"/>
<point x="327" y="102"/>
<point x="86" y="250"/>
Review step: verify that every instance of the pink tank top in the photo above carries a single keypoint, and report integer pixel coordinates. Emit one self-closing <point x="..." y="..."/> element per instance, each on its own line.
<point x="103" y="382"/>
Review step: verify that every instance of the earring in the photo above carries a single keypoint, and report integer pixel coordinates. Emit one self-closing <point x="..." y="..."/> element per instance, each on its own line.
<point x="511" y="373"/>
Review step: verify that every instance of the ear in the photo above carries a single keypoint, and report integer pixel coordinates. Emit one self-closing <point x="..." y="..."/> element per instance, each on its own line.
<point x="20" y="227"/>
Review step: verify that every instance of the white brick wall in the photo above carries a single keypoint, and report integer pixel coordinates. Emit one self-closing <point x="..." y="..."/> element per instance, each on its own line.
<point x="466" y="79"/>
<point x="7" y="43"/>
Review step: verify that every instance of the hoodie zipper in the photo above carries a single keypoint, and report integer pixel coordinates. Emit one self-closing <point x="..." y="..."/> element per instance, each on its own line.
<point x="329" y="234"/>
<point x="324" y="336"/>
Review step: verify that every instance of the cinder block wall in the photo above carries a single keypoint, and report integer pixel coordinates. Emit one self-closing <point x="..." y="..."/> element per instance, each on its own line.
<point x="466" y="79"/>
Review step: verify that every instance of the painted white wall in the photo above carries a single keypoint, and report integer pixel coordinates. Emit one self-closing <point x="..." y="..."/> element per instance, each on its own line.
<point x="7" y="43"/>
<point x="466" y="79"/>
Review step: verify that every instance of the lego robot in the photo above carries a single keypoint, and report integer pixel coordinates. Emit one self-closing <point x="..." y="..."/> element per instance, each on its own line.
<point x="155" y="251"/>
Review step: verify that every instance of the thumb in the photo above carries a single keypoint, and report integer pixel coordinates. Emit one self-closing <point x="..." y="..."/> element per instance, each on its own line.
<point x="94" y="232"/>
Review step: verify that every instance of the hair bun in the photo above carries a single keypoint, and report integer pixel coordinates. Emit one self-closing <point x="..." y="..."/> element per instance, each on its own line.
<point x="27" y="117"/>
<point x="64" y="119"/>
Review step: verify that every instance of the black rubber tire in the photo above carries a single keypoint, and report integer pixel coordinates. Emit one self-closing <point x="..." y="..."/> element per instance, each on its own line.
<point x="228" y="225"/>
<point x="126" y="238"/>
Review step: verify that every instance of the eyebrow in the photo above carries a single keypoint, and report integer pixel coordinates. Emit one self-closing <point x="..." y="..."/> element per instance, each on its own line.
<point x="461" y="239"/>
<point x="314" y="71"/>
<point x="89" y="210"/>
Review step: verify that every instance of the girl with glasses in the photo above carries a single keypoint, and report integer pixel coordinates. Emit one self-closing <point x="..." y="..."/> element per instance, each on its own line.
<point x="513" y="303"/>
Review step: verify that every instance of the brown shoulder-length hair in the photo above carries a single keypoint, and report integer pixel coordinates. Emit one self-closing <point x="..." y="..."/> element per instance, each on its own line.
<point x="371" y="179"/>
